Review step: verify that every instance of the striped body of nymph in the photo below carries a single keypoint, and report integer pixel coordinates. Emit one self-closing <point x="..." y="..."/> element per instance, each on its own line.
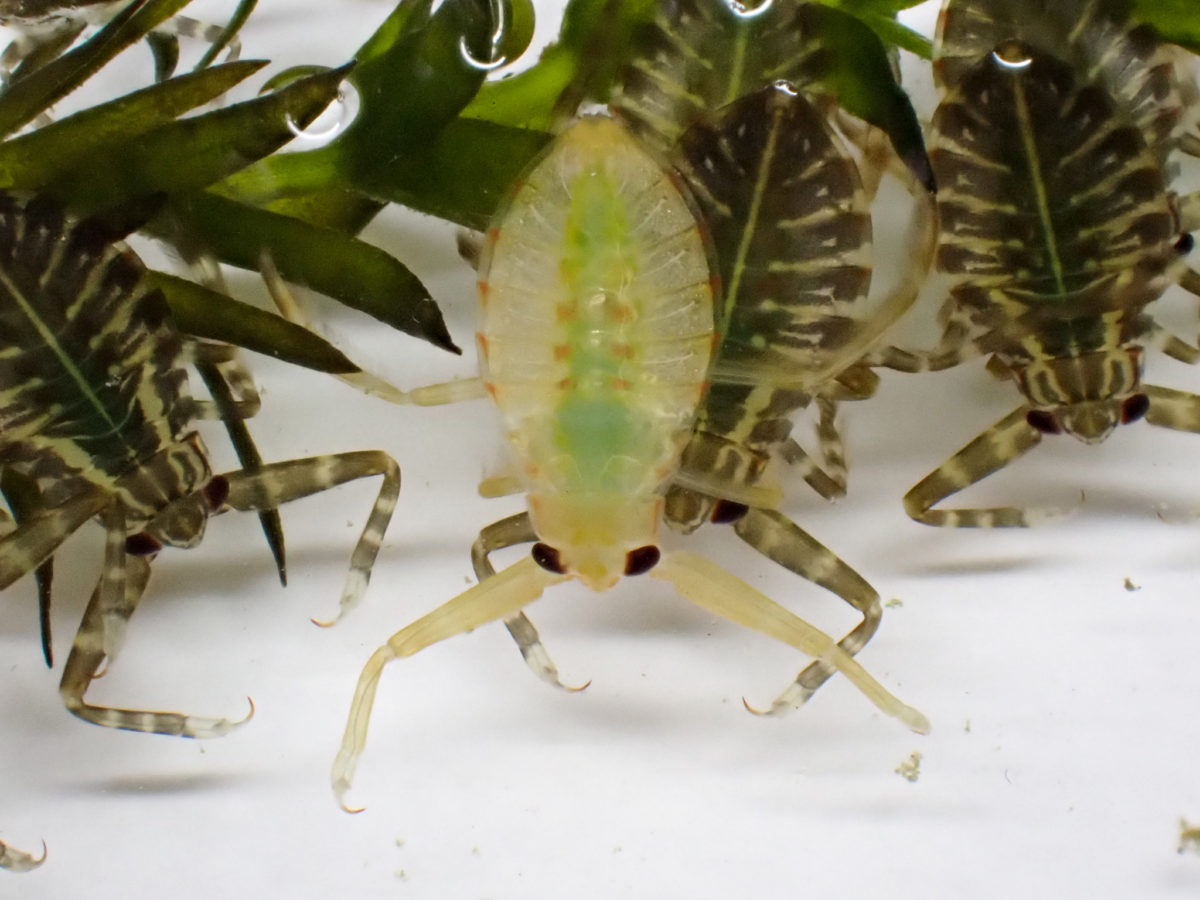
<point x="1054" y="146"/>
<point x="95" y="419"/>
<point x="598" y="306"/>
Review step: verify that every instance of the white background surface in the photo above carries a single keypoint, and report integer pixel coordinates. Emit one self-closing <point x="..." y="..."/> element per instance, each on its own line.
<point x="1064" y="705"/>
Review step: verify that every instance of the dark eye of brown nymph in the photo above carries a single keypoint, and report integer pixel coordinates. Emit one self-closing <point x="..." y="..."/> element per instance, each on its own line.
<point x="1134" y="408"/>
<point x="1043" y="421"/>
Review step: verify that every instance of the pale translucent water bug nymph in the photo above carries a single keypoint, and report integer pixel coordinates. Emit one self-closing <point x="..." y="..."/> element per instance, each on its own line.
<point x="1053" y="149"/>
<point x="596" y="334"/>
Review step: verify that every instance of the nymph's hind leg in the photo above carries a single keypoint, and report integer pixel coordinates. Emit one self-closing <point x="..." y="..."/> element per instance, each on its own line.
<point x="508" y="533"/>
<point x="708" y="585"/>
<point x="1005" y="441"/>
<point x="780" y="539"/>
<point x="14" y="860"/>
<point x="100" y="635"/>
<point x="282" y="482"/>
<point x="36" y="538"/>
<point x="1177" y="410"/>
<point x="494" y="598"/>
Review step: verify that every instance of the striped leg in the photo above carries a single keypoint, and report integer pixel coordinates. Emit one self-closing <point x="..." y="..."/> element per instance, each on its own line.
<point x="36" y="538"/>
<point x="100" y="635"/>
<point x="14" y="860"/>
<point x="508" y="533"/>
<point x="779" y="538"/>
<point x="1172" y="409"/>
<point x="1005" y="441"/>
<point x="282" y="482"/>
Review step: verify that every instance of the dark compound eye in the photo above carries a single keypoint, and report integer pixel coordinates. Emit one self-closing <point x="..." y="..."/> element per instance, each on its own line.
<point x="1044" y="421"/>
<point x="547" y="557"/>
<point x="1134" y="408"/>
<point x="141" y="544"/>
<point x="726" y="511"/>
<point x="1185" y="244"/>
<point x="216" y="492"/>
<point x="641" y="560"/>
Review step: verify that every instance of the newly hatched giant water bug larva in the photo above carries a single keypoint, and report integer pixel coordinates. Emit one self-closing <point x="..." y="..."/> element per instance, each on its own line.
<point x="1052" y="149"/>
<point x="94" y="415"/>
<point x="597" y="330"/>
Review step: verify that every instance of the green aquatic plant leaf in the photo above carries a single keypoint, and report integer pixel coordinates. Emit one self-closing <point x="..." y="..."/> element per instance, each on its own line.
<point x="671" y="83"/>
<point x="351" y="271"/>
<point x="40" y="157"/>
<point x="462" y="175"/>
<point x="228" y="34"/>
<point x="1178" y="21"/>
<point x="592" y="46"/>
<point x="209" y="314"/>
<point x="32" y="92"/>
<point x="189" y="154"/>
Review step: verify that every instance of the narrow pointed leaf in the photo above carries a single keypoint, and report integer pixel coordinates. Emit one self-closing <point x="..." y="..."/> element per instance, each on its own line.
<point x="412" y="80"/>
<point x="248" y="456"/>
<point x="192" y="153"/>
<point x="1178" y="21"/>
<point x="38" y="158"/>
<point x="35" y="92"/>
<point x="205" y="313"/>
<point x="228" y="34"/>
<point x="349" y="270"/>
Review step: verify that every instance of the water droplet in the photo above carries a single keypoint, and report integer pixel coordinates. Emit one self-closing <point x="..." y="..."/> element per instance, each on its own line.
<point x="743" y="12"/>
<point x="333" y="121"/>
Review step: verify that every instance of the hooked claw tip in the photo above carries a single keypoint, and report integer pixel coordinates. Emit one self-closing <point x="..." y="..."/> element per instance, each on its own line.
<point x="755" y="709"/>
<point x="575" y="689"/>
<point x="321" y="624"/>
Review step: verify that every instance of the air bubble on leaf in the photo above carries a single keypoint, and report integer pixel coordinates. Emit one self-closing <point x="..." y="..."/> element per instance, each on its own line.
<point x="497" y="59"/>
<point x="744" y="12"/>
<point x="336" y="118"/>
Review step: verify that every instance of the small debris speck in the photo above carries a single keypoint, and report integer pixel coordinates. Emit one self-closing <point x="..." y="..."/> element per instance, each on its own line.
<point x="1130" y="586"/>
<point x="399" y="842"/>
<point x="894" y="603"/>
<point x="910" y="769"/>
<point x="475" y="851"/>
<point x="402" y="875"/>
<point x="967" y="726"/>
<point x="1189" y="837"/>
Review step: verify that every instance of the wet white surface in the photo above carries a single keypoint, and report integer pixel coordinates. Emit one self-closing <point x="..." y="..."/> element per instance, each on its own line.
<point x="1058" y="666"/>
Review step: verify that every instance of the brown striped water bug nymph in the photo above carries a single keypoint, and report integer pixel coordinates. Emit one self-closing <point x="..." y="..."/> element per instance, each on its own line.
<point x="94" y="415"/>
<point x="597" y="304"/>
<point x="1053" y="150"/>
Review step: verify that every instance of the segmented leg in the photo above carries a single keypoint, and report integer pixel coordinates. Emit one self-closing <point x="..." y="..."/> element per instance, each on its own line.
<point x="1005" y="441"/>
<point x="36" y="539"/>
<point x="14" y="860"/>
<point x="780" y="539"/>
<point x="282" y="482"/>
<point x="100" y="635"/>
<point x="508" y="533"/>
<point x="1177" y="410"/>
<point x="953" y="347"/>
<point x="242" y="400"/>
<point x="812" y="473"/>
<point x="711" y="587"/>
<point x="497" y="597"/>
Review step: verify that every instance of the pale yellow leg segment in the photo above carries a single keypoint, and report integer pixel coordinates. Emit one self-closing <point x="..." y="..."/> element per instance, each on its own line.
<point x="283" y="482"/>
<point x="508" y="533"/>
<point x="496" y="598"/>
<point x="14" y="860"/>
<point x="1005" y="441"/>
<point x="780" y="539"/>
<point x="1173" y="409"/>
<point x="115" y="599"/>
<point x="711" y="587"/>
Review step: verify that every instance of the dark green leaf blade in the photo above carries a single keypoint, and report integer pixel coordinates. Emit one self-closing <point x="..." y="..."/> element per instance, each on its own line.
<point x="35" y="92"/>
<point x="39" y="158"/>
<point x="349" y="270"/>
<point x="192" y="153"/>
<point x="205" y="313"/>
